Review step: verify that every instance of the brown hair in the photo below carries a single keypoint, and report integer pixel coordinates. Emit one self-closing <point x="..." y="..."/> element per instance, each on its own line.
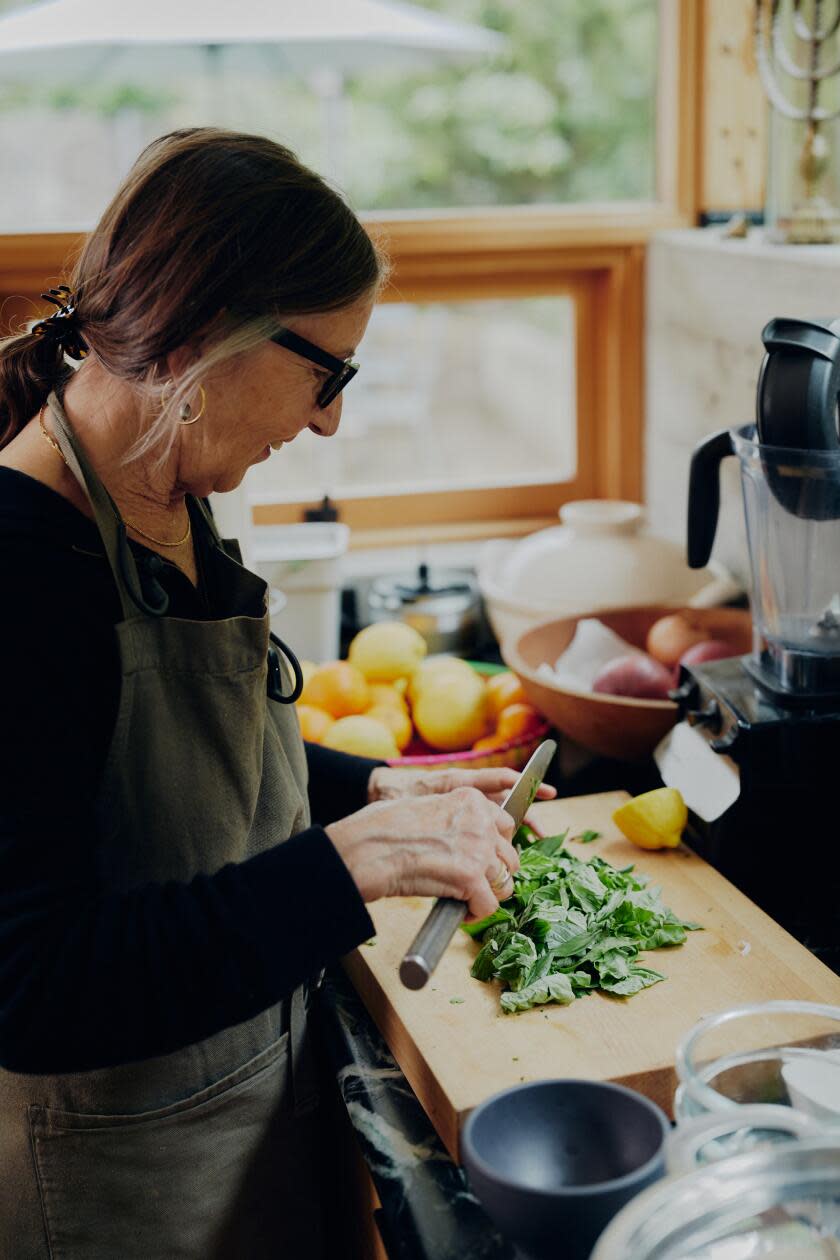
<point x="211" y="230"/>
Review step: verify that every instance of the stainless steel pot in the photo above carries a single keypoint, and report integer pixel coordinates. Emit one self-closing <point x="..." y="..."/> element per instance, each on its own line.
<point x="443" y="605"/>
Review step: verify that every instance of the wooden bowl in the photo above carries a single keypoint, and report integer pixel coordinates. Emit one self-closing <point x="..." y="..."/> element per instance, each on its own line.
<point x="614" y="726"/>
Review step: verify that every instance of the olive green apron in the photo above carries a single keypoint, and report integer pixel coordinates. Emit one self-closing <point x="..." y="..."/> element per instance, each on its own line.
<point x="208" y="1153"/>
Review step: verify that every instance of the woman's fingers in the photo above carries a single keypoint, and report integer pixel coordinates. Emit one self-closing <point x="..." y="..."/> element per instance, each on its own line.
<point x="390" y="783"/>
<point x="495" y="782"/>
<point x="456" y="844"/>
<point x="509" y="855"/>
<point x="482" y="902"/>
<point x="500" y="879"/>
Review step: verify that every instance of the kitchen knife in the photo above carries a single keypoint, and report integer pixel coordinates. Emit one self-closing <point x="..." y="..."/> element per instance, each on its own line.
<point x="447" y="914"/>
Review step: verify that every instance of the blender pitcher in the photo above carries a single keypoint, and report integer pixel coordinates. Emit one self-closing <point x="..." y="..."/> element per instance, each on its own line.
<point x="790" y="477"/>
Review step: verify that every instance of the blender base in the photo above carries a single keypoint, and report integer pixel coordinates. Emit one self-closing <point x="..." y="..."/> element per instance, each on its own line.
<point x="779" y="842"/>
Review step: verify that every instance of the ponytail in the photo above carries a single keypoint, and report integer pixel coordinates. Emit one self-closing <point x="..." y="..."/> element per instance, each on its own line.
<point x="30" y="367"/>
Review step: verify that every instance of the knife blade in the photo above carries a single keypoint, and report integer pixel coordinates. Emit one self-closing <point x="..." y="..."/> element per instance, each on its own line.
<point x="447" y="914"/>
<point x="710" y="782"/>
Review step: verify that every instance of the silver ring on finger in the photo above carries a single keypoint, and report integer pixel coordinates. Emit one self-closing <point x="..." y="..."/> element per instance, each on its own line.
<point x="501" y="878"/>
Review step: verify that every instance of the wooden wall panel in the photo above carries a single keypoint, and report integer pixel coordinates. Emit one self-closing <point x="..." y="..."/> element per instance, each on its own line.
<point x="734" y="111"/>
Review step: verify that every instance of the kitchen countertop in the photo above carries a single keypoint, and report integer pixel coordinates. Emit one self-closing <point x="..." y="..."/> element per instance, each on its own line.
<point x="428" y="1212"/>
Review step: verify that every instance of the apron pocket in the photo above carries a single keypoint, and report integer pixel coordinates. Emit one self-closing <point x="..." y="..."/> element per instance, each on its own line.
<point x="160" y="1184"/>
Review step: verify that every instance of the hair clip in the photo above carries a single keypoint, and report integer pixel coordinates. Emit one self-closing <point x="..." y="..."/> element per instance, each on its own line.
<point x="62" y="326"/>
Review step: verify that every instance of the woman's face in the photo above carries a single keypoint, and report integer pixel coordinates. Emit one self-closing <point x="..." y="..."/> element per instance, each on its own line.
<point x="265" y="397"/>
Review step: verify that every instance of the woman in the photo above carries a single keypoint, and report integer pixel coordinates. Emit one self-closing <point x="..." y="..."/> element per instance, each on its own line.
<point x="176" y="867"/>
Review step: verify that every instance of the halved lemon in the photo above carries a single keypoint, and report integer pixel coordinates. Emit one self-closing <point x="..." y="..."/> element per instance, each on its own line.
<point x="654" y="820"/>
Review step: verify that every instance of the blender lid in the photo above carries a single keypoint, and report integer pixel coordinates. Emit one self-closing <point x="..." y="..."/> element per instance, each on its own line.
<point x="798" y="385"/>
<point x="796" y="404"/>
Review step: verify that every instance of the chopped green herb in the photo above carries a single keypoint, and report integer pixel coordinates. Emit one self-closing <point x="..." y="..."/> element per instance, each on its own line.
<point x="587" y="837"/>
<point x="572" y="927"/>
<point x="370" y="944"/>
<point x="456" y="1001"/>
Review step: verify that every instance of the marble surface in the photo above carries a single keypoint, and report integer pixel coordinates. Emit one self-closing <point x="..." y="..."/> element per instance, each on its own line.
<point x="707" y="301"/>
<point x="428" y="1211"/>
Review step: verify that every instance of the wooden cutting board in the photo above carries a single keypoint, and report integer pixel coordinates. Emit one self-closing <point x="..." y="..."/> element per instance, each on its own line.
<point x="456" y="1047"/>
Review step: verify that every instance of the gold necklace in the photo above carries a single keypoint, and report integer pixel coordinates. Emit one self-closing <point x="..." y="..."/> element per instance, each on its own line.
<point x="136" y="528"/>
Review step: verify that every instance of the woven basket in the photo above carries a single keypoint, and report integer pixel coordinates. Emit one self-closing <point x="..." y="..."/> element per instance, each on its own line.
<point x="513" y="753"/>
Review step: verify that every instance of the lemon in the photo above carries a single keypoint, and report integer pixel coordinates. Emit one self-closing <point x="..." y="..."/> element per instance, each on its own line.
<point x="451" y="712"/>
<point x="362" y="736"/>
<point x="387" y="650"/>
<point x="654" y="820"/>
<point x="434" y="667"/>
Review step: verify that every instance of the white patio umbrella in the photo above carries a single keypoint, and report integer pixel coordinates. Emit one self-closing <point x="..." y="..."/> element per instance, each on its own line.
<point x="121" y="36"/>
<point x="170" y="40"/>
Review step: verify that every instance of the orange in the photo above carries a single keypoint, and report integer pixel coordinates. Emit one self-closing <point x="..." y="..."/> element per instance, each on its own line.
<point x="397" y="721"/>
<point x="486" y="742"/>
<point x="515" y="720"/>
<point x="502" y="690"/>
<point x="314" y="723"/>
<point x="337" y="687"/>
<point x="307" y="668"/>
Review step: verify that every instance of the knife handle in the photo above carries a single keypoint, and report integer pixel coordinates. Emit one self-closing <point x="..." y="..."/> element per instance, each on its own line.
<point x="426" y="950"/>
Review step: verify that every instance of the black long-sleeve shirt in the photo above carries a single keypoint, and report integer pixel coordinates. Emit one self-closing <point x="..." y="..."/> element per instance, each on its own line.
<point x="89" y="979"/>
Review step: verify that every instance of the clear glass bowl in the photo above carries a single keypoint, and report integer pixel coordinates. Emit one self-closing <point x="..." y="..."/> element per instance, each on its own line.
<point x="782" y="1202"/>
<point x="785" y="1053"/>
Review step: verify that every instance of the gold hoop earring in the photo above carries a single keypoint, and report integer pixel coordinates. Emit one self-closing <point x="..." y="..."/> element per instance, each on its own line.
<point x="185" y="413"/>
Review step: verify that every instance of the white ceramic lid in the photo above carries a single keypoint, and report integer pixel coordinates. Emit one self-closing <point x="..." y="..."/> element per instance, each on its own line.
<point x="597" y="557"/>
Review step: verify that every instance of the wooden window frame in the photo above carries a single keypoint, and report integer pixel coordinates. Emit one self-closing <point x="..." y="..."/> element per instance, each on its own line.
<point x="593" y="254"/>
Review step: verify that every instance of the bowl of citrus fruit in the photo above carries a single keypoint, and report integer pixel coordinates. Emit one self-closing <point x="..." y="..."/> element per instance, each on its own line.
<point x="390" y="701"/>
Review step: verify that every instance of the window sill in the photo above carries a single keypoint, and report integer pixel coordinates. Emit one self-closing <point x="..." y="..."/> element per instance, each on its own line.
<point x="366" y="540"/>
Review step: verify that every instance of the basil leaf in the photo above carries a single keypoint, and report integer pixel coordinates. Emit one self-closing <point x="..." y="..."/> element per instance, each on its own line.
<point x="556" y="988"/>
<point x="572" y="927"/>
<point x="638" y="979"/>
<point x="476" y="929"/>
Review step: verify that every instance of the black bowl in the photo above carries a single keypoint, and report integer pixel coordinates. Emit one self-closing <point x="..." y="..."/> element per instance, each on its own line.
<point x="552" y="1162"/>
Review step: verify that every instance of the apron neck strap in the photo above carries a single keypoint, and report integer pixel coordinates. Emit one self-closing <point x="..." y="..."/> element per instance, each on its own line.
<point x="108" y="520"/>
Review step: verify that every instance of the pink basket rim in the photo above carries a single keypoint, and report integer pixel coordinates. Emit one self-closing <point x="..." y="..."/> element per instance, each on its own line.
<point x="439" y="759"/>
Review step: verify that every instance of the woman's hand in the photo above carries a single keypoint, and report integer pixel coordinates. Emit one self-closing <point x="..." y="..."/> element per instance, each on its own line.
<point x="445" y="844"/>
<point x="388" y="783"/>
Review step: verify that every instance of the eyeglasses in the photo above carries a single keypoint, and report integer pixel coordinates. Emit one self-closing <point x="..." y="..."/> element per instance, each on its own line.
<point x="342" y="370"/>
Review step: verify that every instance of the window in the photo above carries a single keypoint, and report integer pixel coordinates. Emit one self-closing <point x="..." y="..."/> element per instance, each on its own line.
<point x="515" y="189"/>
<point x="561" y="107"/>
<point x="450" y="396"/>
